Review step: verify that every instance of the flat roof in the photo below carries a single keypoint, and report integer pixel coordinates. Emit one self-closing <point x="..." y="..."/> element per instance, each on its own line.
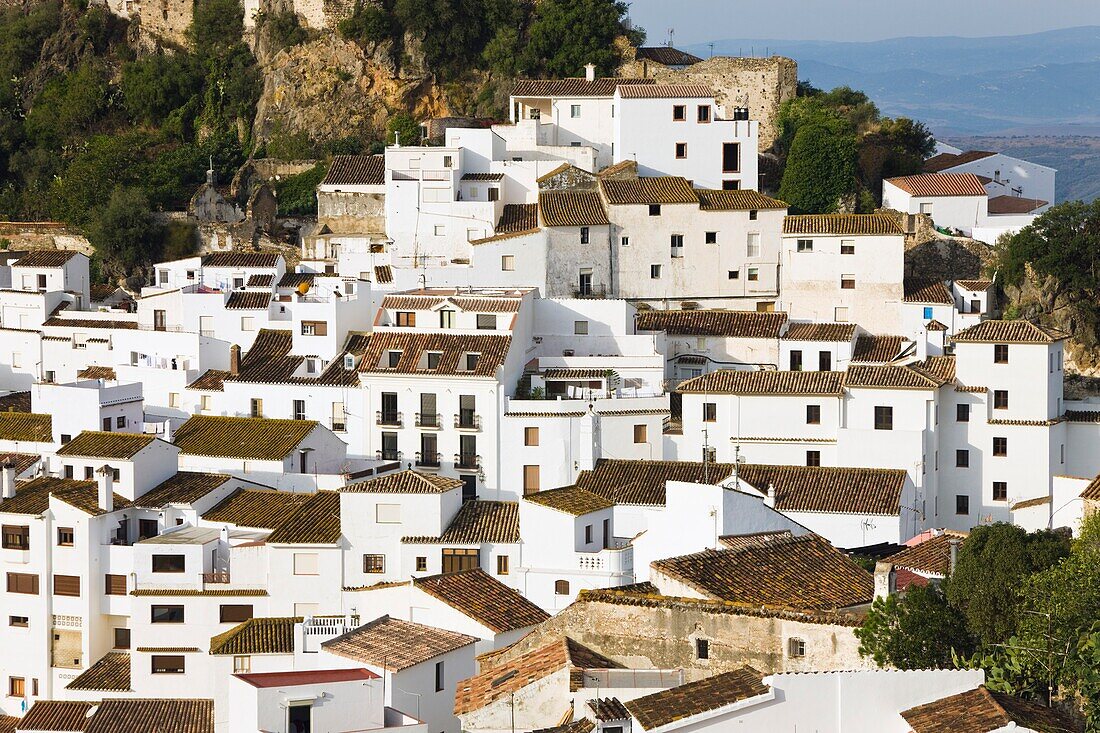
<point x="189" y="536"/>
<point x="311" y="677"/>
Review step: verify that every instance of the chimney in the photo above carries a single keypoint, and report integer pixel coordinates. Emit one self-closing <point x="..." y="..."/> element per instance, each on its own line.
<point x="234" y="360"/>
<point x="590" y="72"/>
<point x="769" y="500"/>
<point x="9" y="480"/>
<point x="885" y="579"/>
<point x="106" y="488"/>
<point x="953" y="544"/>
<point x="168" y="430"/>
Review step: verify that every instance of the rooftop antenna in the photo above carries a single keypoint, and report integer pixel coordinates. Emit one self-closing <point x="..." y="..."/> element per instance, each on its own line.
<point x="671" y="33"/>
<point x="711" y="44"/>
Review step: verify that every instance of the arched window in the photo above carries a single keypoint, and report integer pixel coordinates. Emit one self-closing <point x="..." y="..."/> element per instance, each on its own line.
<point x="561" y="587"/>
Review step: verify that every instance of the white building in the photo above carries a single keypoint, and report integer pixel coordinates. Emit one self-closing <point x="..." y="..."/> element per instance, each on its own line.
<point x="1001" y="174"/>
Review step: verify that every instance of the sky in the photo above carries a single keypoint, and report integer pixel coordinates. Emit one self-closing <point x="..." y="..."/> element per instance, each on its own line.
<point x="699" y="21"/>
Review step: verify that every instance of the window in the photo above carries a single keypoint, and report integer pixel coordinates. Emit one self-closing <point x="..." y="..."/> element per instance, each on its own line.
<point x="813" y="414"/>
<point x="702" y="648"/>
<point x="731" y="185"/>
<point x="446" y="319"/>
<point x="962" y="505"/>
<point x="731" y="157"/>
<point x="702" y="113"/>
<point x="433" y="360"/>
<point x="813" y="458"/>
<point x="752" y="245"/>
<point x="530" y="436"/>
<point x="1000" y="491"/>
<point x="234" y="613"/>
<point x="588" y="534"/>
<point x="314" y="328"/>
<point x="23" y="583"/>
<point x="16" y="537"/>
<point x="456" y="560"/>
<point x="962" y="459"/>
<point x="16" y="687"/>
<point x="654" y="209"/>
<point x="928" y="313"/>
<point x="796" y="360"/>
<point x="114" y="585"/>
<point x="122" y="638"/>
<point x="373" y="564"/>
<point x="502" y="564"/>
<point x="471" y="362"/>
<point x="167" y="664"/>
<point x="752" y="274"/>
<point x="926" y="208"/>
<point x="676" y="242"/>
<point x="147" y="528"/>
<point x="732" y="274"/>
<point x="580" y="328"/>
<point x="507" y="263"/>
<point x="847" y="282"/>
<point x="804" y="245"/>
<point x="388" y="513"/>
<point x="406" y="319"/>
<point x="681" y="151"/>
<point x="169" y="563"/>
<point x="848" y="247"/>
<point x="840" y="314"/>
<point x="439" y="676"/>
<point x="710" y="238"/>
<point x="439" y="230"/>
<point x="166" y="614"/>
<point x="89" y="473"/>
<point x="248" y="323"/>
<point x="256" y="407"/>
<point x="640" y="433"/>
<point x="173" y="399"/>
<point x="884" y="418"/>
<point x="421" y="564"/>
<point x="824" y="361"/>
<point x="1000" y="353"/>
<point x="530" y="479"/>
<point x="574" y="111"/>
<point x="305" y="563"/>
<point x="494" y="193"/>
<point x="1000" y="446"/>
<point x="242" y="664"/>
<point x="710" y="412"/>
<point x="584" y="282"/>
<point x="655" y="272"/>
<point x="1000" y="399"/>
<point x="584" y="235"/>
<point x="393" y="358"/>
<point x="486" y="322"/>
<point x="796" y="648"/>
<point x="561" y="587"/>
<point x="624" y="241"/>
<point x="448" y="161"/>
<point x="66" y="585"/>
<point x="298" y="410"/>
<point x="21" y="622"/>
<point x="679" y="112"/>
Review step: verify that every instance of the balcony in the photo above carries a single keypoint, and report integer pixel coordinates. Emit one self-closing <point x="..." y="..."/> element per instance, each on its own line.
<point x="427" y="460"/>
<point x="218" y="578"/>
<point x="339" y="426"/>
<point x="388" y="455"/>
<point x="468" y="461"/>
<point x="429" y="420"/>
<point x="388" y="418"/>
<point x="591" y="291"/>
<point x="467" y="421"/>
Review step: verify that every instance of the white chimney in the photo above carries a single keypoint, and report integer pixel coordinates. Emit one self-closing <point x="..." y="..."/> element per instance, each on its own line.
<point x="9" y="480"/>
<point x="168" y="430"/>
<point x="769" y="500"/>
<point x="106" y="488"/>
<point x="590" y="72"/>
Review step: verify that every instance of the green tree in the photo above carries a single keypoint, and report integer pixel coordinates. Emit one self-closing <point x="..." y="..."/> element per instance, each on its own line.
<point x="917" y="630"/>
<point x="407" y="129"/>
<point x="216" y="26"/>
<point x="297" y="194"/>
<point x="281" y="29"/>
<point x="123" y="232"/>
<point x="452" y="33"/>
<point x="100" y="164"/>
<point x="369" y="23"/>
<point x="993" y="565"/>
<point x="69" y="105"/>
<point x="820" y="170"/>
<point x="567" y="34"/>
<point x="155" y="86"/>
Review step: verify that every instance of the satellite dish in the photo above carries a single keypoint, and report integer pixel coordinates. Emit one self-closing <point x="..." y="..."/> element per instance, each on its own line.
<point x="303" y="287"/>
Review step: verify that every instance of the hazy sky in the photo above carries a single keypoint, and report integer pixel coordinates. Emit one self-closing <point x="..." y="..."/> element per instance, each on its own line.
<point x="698" y="21"/>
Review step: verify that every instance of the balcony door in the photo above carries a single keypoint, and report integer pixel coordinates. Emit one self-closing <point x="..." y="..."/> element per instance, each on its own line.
<point x="456" y="560"/>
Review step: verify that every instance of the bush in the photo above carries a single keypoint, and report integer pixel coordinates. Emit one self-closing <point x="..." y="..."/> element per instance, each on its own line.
<point x="281" y="29"/>
<point x="368" y="23"/>
<point x="156" y="86"/>
<point x="68" y="105"/>
<point x="407" y="129"/>
<point x="123" y="233"/>
<point x="820" y="169"/>
<point x="297" y="194"/>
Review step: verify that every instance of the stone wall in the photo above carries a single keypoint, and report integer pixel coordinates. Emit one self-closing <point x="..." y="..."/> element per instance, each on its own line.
<point x="761" y="84"/>
<point x="352" y="212"/>
<point x="163" y="21"/>
<point x="21" y="235"/>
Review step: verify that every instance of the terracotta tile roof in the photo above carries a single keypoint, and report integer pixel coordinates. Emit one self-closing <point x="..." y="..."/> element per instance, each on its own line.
<point x="406" y="482"/>
<point x="98" y="444"/>
<point x="572" y="87"/>
<point x="877" y="348"/>
<point x="1014" y="332"/>
<point x="564" y="167"/>
<point x="256" y="438"/>
<point x="891" y="376"/>
<point x="837" y="332"/>
<point x="982" y="710"/>
<point x="33" y="497"/>
<point x="755" y="539"/>
<point x="416" y="301"/>
<point x="185" y="487"/>
<point x="97" y="372"/>
<point x="294" y="279"/>
<point x="26" y="426"/>
<point x="665" y="91"/>
<point x="518" y="218"/>
<point x="842" y="224"/>
<point x="1013" y="205"/>
<point x="577" y="374"/>
<point x="269" y="361"/>
<point x="932" y="556"/>
<point x="501" y="681"/>
<point x="571" y="500"/>
<point x="608" y="708"/>
<point x="743" y="199"/>
<point x="59" y="715"/>
<point x="45" y="258"/>
<point x="628" y="168"/>
<point x="8" y="722"/>
<point x="16" y="402"/>
<point x="1091" y="492"/>
<point x="571" y="208"/>
<point x="111" y="673"/>
<point x="394" y="644"/>
<point x="643" y="482"/>
<point x="256" y="508"/>
<point x="21" y="461"/>
<point x="666" y="55"/>
<point x="941" y="368"/>
<point x="212" y="380"/>
<point x="943" y="161"/>
<point x="1086" y="416"/>
<point x="484" y="599"/>
<point x="829" y="488"/>
<point x="975" y="285"/>
<point x="383" y="274"/>
<point x="162" y="715"/>
<point x="248" y="300"/>
<point x="356" y="170"/>
<point x="656" y="190"/>
<point x="260" y="281"/>
<point x="240" y="259"/>
<point x="1030" y="503"/>
<point x="483" y="176"/>
<point x="493" y="350"/>
<point x="668" y="706"/>
<point x="260" y="635"/>
<point x="926" y="185"/>
<point x="185" y="592"/>
<point x="802" y="573"/>
<point x="584" y="725"/>
<point x="316" y="522"/>
<point x="90" y="323"/>
<point x="729" y="324"/>
<point x="476" y="522"/>
<point x="934" y="325"/>
<point x="765" y="382"/>
<point x="168" y="649"/>
<point x="927" y="291"/>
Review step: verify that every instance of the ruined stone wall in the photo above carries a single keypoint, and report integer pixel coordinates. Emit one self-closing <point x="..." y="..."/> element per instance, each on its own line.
<point x="164" y="21"/>
<point x="21" y="235"/>
<point x="352" y="212"/>
<point x="761" y="84"/>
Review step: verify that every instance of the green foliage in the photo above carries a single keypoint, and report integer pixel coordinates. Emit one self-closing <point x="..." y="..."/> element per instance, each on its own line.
<point x="407" y="129"/>
<point x="820" y="169"/>
<point x="124" y="233"/>
<point x="297" y="195"/>
<point x="216" y="26"/>
<point x="98" y="28"/>
<point x="451" y="32"/>
<point x="180" y="239"/>
<point x="567" y="34"/>
<point x="68" y="105"/>
<point x="155" y="86"/>
<point x="993" y="564"/>
<point x="282" y="30"/>
<point x="293" y="146"/>
<point x="916" y="631"/>
<point x="22" y="34"/>
<point x="101" y="164"/>
<point x="369" y="23"/>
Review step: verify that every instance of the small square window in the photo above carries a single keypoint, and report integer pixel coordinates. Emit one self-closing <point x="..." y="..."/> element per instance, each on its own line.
<point x="65" y="536"/>
<point x="681" y="150"/>
<point x="679" y="112"/>
<point x="731" y="185"/>
<point x="530" y="436"/>
<point x="439" y="230"/>
<point x="813" y="458"/>
<point x="502" y="565"/>
<point x="884" y="418"/>
<point x="640" y="434"/>
<point x="962" y="413"/>
<point x="804" y="245"/>
<point x="962" y="505"/>
<point x="702" y="113"/>
<point x="580" y="328"/>
<point x="1000" y="399"/>
<point x="374" y="564"/>
<point x="752" y="274"/>
<point x="584" y="235"/>
<point x="507" y="263"/>
<point x="1000" y="491"/>
<point x="654" y="209"/>
<point x="655" y="272"/>
<point x="120" y="422"/>
<point x="574" y="111"/>
<point x="1000" y="353"/>
<point x="733" y="274"/>
<point x="796" y="648"/>
<point x="624" y="241"/>
<point x="1000" y="447"/>
<point x="813" y="414"/>
<point x="847" y="246"/>
<point x="421" y="564"/>
<point x="711" y="238"/>
<point x="702" y="649"/>
<point x="753" y="214"/>
<point x="710" y="412"/>
<point x="962" y="459"/>
<point x="847" y="282"/>
<point x="928" y="313"/>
